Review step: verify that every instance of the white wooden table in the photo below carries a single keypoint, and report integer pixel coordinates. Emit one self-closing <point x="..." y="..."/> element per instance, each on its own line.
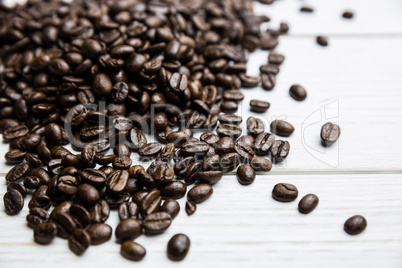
<point x="355" y="81"/>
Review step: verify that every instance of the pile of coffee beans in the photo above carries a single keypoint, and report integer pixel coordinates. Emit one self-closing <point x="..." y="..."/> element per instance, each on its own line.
<point x="111" y="75"/>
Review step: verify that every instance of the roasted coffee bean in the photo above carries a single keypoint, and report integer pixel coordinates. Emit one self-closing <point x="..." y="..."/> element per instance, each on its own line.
<point x="164" y="173"/>
<point x="245" y="174"/>
<point x="209" y="176"/>
<point x="191" y="172"/>
<point x="211" y="163"/>
<point x="244" y="150"/>
<point x="132" y="251"/>
<point x="228" y="106"/>
<point x="156" y="223"/>
<point x="307" y="9"/>
<point x="181" y="166"/>
<point x="70" y="160"/>
<point x="121" y="150"/>
<point x="45" y="232"/>
<point x="153" y="166"/>
<point x="37" y="216"/>
<point x="355" y="225"/>
<point x="233" y="95"/>
<point x="167" y="152"/>
<point x="330" y="133"/>
<point x="348" y="14"/>
<point x="128" y="210"/>
<point x="149" y="202"/>
<point x="123" y="162"/>
<point x="263" y="143"/>
<point x="248" y="81"/>
<point x="308" y="203"/>
<point x="173" y="190"/>
<point x="276" y="58"/>
<point x="150" y="149"/>
<point x="225" y="145"/>
<point x="65" y="224"/>
<point x="145" y="179"/>
<point x="171" y="207"/>
<point x="102" y="85"/>
<point x="128" y="230"/>
<point x="62" y="207"/>
<point x="17" y="186"/>
<point x="258" y="106"/>
<point x="297" y="92"/>
<point x="200" y="193"/>
<point x="229" y="161"/>
<point x="87" y="156"/>
<point x="117" y="181"/>
<point x="99" y="212"/>
<point x="178" y="138"/>
<point x="17" y="172"/>
<point x="15" y="132"/>
<point x="99" y="233"/>
<point x="322" y="40"/>
<point x="80" y="215"/>
<point x="14" y="157"/>
<point x="178" y="247"/>
<point x="79" y="241"/>
<point x="194" y="147"/>
<point x="232" y="119"/>
<point x="261" y="164"/>
<point x="285" y="192"/>
<point x="137" y="138"/>
<point x="247" y="139"/>
<point x="270" y="69"/>
<point x="229" y="130"/>
<point x="32" y="160"/>
<point x="268" y="81"/>
<point x="282" y="128"/>
<point x="13" y="202"/>
<point x="104" y="159"/>
<point x="191" y="207"/>
<point x="93" y="176"/>
<point x="209" y="137"/>
<point x="255" y="126"/>
<point x="280" y="150"/>
<point x="6" y="123"/>
<point x="67" y="184"/>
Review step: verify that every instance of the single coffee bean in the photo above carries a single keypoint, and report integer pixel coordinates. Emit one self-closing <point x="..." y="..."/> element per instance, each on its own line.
<point x="258" y="106"/>
<point x="132" y="251"/>
<point x="173" y="190"/>
<point x="181" y="166"/>
<point x="14" y="157"/>
<point x="244" y="150"/>
<point x="330" y="133"/>
<point x="209" y="137"/>
<point x="285" y="192"/>
<point x="128" y="210"/>
<point x="121" y="150"/>
<point x="87" y="156"/>
<point x="308" y="203"/>
<point x="245" y="174"/>
<point x="37" y="216"/>
<point x="209" y="176"/>
<point x="228" y="106"/>
<point x="100" y="211"/>
<point x="178" y="247"/>
<point x="322" y="41"/>
<point x="128" y="230"/>
<point x="67" y="185"/>
<point x="280" y="150"/>
<point x="79" y="241"/>
<point x="13" y="202"/>
<point x="99" y="233"/>
<point x="45" y="232"/>
<point x="123" y="162"/>
<point x="93" y="176"/>
<point x="261" y="164"/>
<point x="191" y="172"/>
<point x="195" y="147"/>
<point x="263" y="143"/>
<point x="211" y="163"/>
<point x="268" y="81"/>
<point x="229" y="162"/>
<point x="225" y="145"/>
<point x="62" y="207"/>
<point x="348" y="14"/>
<point x="104" y="160"/>
<point x="117" y="181"/>
<point x="102" y="85"/>
<point x="150" y="149"/>
<point x="275" y="58"/>
<point x="18" y="172"/>
<point x="297" y="92"/>
<point x="355" y="225"/>
<point x="231" y="119"/>
<point x="178" y="138"/>
<point x="200" y="193"/>
<point x="306" y="9"/>
<point x="156" y="223"/>
<point x="65" y="224"/>
<point x="170" y="206"/>
<point x="255" y="126"/>
<point x="138" y="138"/>
<point x="191" y="207"/>
<point x="282" y="128"/>
<point x="229" y="130"/>
<point x="15" y="132"/>
<point x="17" y="186"/>
<point x="269" y="69"/>
<point x="233" y="95"/>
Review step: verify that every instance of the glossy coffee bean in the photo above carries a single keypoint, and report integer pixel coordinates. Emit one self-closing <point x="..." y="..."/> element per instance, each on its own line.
<point x="263" y="143"/>
<point x="231" y="119"/>
<point x="99" y="233"/>
<point x="229" y="162"/>
<point x="128" y="230"/>
<point x="282" y="128"/>
<point x="150" y="149"/>
<point x="156" y="223"/>
<point x="330" y="133"/>
<point x="255" y="126"/>
<point x="37" y="216"/>
<point x="280" y="150"/>
<point x="65" y="224"/>
<point x="121" y="150"/>
<point x="209" y="176"/>
<point x="308" y="203"/>
<point x="45" y="232"/>
<point x="285" y="192"/>
<point x="211" y="163"/>
<point x="173" y="190"/>
<point x="13" y="202"/>
<point x="191" y="207"/>
<point x="99" y="212"/>
<point x="322" y="41"/>
<point x="259" y="106"/>
<point x="170" y="206"/>
<point x="79" y="241"/>
<point x="128" y="210"/>
<point x="261" y="164"/>
<point x="276" y="58"/>
<point x="244" y="150"/>
<point x="17" y="186"/>
<point x="233" y="131"/>
<point x="200" y="193"/>
<point x="348" y="14"/>
<point x="14" y="157"/>
<point x="178" y="247"/>
<point x="245" y="174"/>
<point x="355" y="225"/>
<point x="297" y="92"/>
<point x="117" y="181"/>
<point x="132" y="251"/>
<point x="137" y="138"/>
<point x="18" y="172"/>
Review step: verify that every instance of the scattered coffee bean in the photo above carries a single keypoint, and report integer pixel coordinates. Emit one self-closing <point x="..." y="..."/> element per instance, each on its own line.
<point x="132" y="251"/>
<point x="261" y="164"/>
<point x="355" y="225"/>
<point x="200" y="193"/>
<point x="308" y="203"/>
<point x="191" y="207"/>
<point x="322" y="40"/>
<point x="13" y="202"/>
<point x="263" y="143"/>
<point x="156" y="223"/>
<point x="258" y="106"/>
<point x="99" y="233"/>
<point x="171" y="207"/>
<point x="285" y="192"/>
<point x="245" y="174"/>
<point x="45" y="232"/>
<point x="297" y="92"/>
<point x="79" y="241"/>
<point x="279" y="150"/>
<point x="282" y="128"/>
<point x="128" y="230"/>
<point x="255" y="126"/>
<point x="330" y="133"/>
<point x="307" y="9"/>
<point x="178" y="247"/>
<point x="348" y="14"/>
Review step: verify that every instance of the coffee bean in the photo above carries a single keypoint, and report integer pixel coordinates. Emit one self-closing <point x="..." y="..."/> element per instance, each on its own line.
<point x="14" y="132"/>
<point x="263" y="143"/>
<point x="258" y="106"/>
<point x="195" y="147"/>
<point x="67" y="185"/>
<point x="79" y="241"/>
<point x="244" y="150"/>
<point x="99" y="233"/>
<point x="178" y="138"/>
<point x="269" y="69"/>
<point x="209" y="176"/>
<point x="211" y="163"/>
<point x="306" y="9"/>
<point x="308" y="203"/>
<point x="149" y="202"/>
<point x="276" y="58"/>
<point x="285" y="192"/>
<point x="355" y="225"/>
<point x="128" y="230"/>
<point x="101" y="84"/>
<point x="128" y="210"/>
<point x="225" y="145"/>
<point x="348" y="14"/>
<point x="280" y="150"/>
<point x="93" y="176"/>
<point x="261" y="164"/>
<point x="99" y="212"/>
<point x="268" y="81"/>
<point x="200" y="193"/>
<point x="255" y="126"/>
<point x="297" y="92"/>
<point x="145" y="179"/>
<point x="229" y="130"/>
<point x="123" y="162"/>
<point x="121" y="150"/>
<point x="81" y="215"/>
<point x="17" y="186"/>
<point x="330" y="133"/>
<point x="37" y="216"/>
<point x="167" y="152"/>
<point x="45" y="232"/>
<point x="87" y="156"/>
<point x="245" y="174"/>
<point x="65" y="224"/>
<point x="178" y="247"/>
<point x="228" y="106"/>
<point x="174" y="190"/>
<point x="322" y="41"/>
<point x="132" y="251"/>
<point x="117" y="181"/>
<point x="13" y="202"/>
<point x="282" y="128"/>
<point x="233" y="95"/>
<point x="14" y="157"/>
<point x="191" y="207"/>
<point x="150" y="149"/>
<point x="137" y="138"/>
<point x="156" y="223"/>
<point x="232" y="119"/>
<point x="191" y="172"/>
<point x="17" y="172"/>
<point x="209" y="137"/>
<point x="229" y="162"/>
<point x="171" y="207"/>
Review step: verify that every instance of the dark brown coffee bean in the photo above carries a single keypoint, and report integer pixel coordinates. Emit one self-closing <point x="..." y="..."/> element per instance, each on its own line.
<point x="122" y="163"/>
<point x="79" y="241"/>
<point x="229" y="130"/>
<point x="150" y="149"/>
<point x="270" y="69"/>
<point x="14" y="157"/>
<point x="32" y="160"/>
<point x="178" y="82"/>
<point x="248" y="81"/>
<point x="99" y="212"/>
<point x="121" y="150"/>
<point x="209" y="176"/>
<point x="232" y="119"/>
<point x="245" y="174"/>
<point x="17" y="186"/>
<point x="178" y="247"/>
<point x="228" y="106"/>
<point x="6" y="123"/>
<point x="156" y="223"/>
<point x="181" y="166"/>
<point x="137" y="138"/>
<point x="37" y="216"/>
<point x="173" y="190"/>
<point x="54" y="134"/>
<point x="261" y="164"/>
<point x="17" y="172"/>
<point x="178" y="138"/>
<point x="247" y="139"/>
<point x="164" y="173"/>
<point x="128" y="230"/>
<point x="194" y="147"/>
<point x="244" y="150"/>
<point x="65" y="224"/>
<point x="306" y="9"/>
<point x="225" y="145"/>
<point x="167" y="152"/>
<point x="322" y="41"/>
<point x="117" y="181"/>
<point x="102" y="85"/>
<point x="70" y="160"/>
<point x="297" y="92"/>
<point x="191" y="172"/>
<point x="132" y="251"/>
<point x="171" y="207"/>
<point x="258" y="106"/>
<point x="67" y="185"/>
<point x="93" y="176"/>
<point x="209" y="137"/>
<point x="145" y="179"/>
<point x="87" y="156"/>
<point x="308" y="203"/>
<point x="280" y="150"/>
<point x="355" y="225"/>
<point x="191" y="207"/>
<point x="285" y="192"/>
<point x="282" y="128"/>
<point x="233" y="95"/>
<point x="200" y="193"/>
<point x="348" y="14"/>
<point x="211" y="163"/>
<point x="62" y="207"/>
<point x="263" y="143"/>
<point x="268" y="81"/>
<point x="229" y="162"/>
<point x="255" y="126"/>
<point x="99" y="233"/>
<point x="13" y="202"/>
<point x="128" y="210"/>
<point x="80" y="215"/>
<point x="45" y="232"/>
<point x="330" y="133"/>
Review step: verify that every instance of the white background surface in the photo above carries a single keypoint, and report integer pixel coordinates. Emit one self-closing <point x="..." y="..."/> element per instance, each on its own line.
<point x="360" y="72"/>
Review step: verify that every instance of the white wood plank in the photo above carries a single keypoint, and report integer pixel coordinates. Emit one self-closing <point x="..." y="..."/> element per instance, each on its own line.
<point x="243" y="226"/>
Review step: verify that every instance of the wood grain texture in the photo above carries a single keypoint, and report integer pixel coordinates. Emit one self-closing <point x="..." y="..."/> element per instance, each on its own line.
<point x="359" y="76"/>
